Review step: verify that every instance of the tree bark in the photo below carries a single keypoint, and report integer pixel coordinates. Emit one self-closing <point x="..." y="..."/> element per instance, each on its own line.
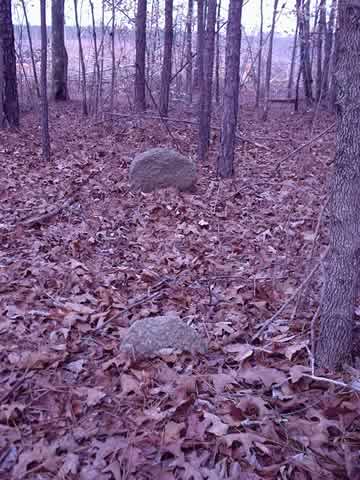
<point x="206" y="87"/>
<point x="58" y="51"/>
<point x="269" y="64"/>
<point x="167" y="59"/>
<point x="260" y="55"/>
<point x="225" y="164"/>
<point x="342" y="265"/>
<point x="189" y="54"/>
<point x="140" y="99"/>
<point x="82" y="61"/>
<point x="8" y="94"/>
<point x="45" y="138"/>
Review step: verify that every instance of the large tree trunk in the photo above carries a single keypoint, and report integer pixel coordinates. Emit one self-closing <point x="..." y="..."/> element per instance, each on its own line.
<point x="189" y="67"/>
<point x="206" y="87"/>
<point x="269" y="63"/>
<point x="225" y="164"/>
<point x="8" y="93"/>
<point x="140" y="99"/>
<point x="342" y="265"/>
<point x="58" y="51"/>
<point x="45" y="138"/>
<point x="167" y="59"/>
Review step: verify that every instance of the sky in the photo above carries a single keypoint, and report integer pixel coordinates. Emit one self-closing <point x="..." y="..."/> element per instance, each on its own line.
<point x="251" y="13"/>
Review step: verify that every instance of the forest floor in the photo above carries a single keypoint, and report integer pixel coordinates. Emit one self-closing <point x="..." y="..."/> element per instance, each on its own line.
<point x="82" y="257"/>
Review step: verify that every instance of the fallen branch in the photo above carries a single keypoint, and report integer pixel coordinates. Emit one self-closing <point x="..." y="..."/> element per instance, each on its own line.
<point x="312" y="140"/>
<point x="275" y="316"/>
<point x="187" y="122"/>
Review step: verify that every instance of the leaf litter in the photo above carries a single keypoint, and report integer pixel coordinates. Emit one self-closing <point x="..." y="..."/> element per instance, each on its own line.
<point x="83" y="257"/>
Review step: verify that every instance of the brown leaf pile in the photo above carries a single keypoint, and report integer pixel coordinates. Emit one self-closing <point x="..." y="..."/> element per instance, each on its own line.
<point x="82" y="257"/>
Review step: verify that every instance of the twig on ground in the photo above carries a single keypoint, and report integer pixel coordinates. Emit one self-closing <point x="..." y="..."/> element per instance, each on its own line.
<point x="130" y="307"/>
<point x="312" y="333"/>
<point x="187" y="122"/>
<point x="294" y="152"/>
<point x="275" y="316"/>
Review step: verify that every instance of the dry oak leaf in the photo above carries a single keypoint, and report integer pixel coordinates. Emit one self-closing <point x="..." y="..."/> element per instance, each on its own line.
<point x="217" y="427"/>
<point x="93" y="395"/>
<point x="34" y="360"/>
<point x="259" y="374"/>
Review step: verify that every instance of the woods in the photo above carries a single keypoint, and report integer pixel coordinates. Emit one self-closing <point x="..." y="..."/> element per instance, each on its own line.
<point x="179" y="227"/>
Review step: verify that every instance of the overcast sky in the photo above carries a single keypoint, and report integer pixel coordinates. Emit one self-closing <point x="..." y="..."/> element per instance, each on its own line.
<point x="251" y="13"/>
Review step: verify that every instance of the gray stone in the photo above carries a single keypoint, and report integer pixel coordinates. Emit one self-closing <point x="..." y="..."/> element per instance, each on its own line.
<point x="152" y="336"/>
<point x="161" y="168"/>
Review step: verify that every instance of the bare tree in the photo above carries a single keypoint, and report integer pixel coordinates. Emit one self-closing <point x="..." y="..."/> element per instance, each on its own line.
<point x="269" y="63"/>
<point x="260" y="55"/>
<point x="8" y="94"/>
<point x="319" y="55"/>
<point x="167" y="59"/>
<point x="45" y="137"/>
<point x="199" y="64"/>
<point x="96" y="63"/>
<point x="58" y="51"/>
<point x="217" y="55"/>
<point x="140" y="99"/>
<point x="293" y="57"/>
<point x="303" y="8"/>
<point x="342" y="264"/>
<point x="206" y="87"/>
<point x="328" y="50"/>
<point x="82" y="61"/>
<point x="225" y="164"/>
<point x="36" y="81"/>
<point x="189" y="54"/>
<point x="113" y="66"/>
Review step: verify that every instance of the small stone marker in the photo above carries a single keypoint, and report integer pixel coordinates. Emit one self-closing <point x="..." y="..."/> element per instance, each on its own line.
<point x="147" y="338"/>
<point x="161" y="168"/>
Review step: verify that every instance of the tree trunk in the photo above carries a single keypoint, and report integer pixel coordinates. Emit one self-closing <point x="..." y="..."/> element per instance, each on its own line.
<point x="342" y="265"/>
<point x="113" y="67"/>
<point x="225" y="164"/>
<point x="189" y="54"/>
<point x="97" y="64"/>
<point x="8" y="94"/>
<point x="58" y="51"/>
<point x="28" y="30"/>
<point x="269" y="64"/>
<point x="319" y="56"/>
<point x="218" y="57"/>
<point x="260" y="55"/>
<point x="304" y="36"/>
<point x="140" y="100"/>
<point x="328" y="50"/>
<point x="206" y="87"/>
<point x="199" y="64"/>
<point x="82" y="62"/>
<point x="167" y="59"/>
<point x="293" y="57"/>
<point x="45" y="138"/>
